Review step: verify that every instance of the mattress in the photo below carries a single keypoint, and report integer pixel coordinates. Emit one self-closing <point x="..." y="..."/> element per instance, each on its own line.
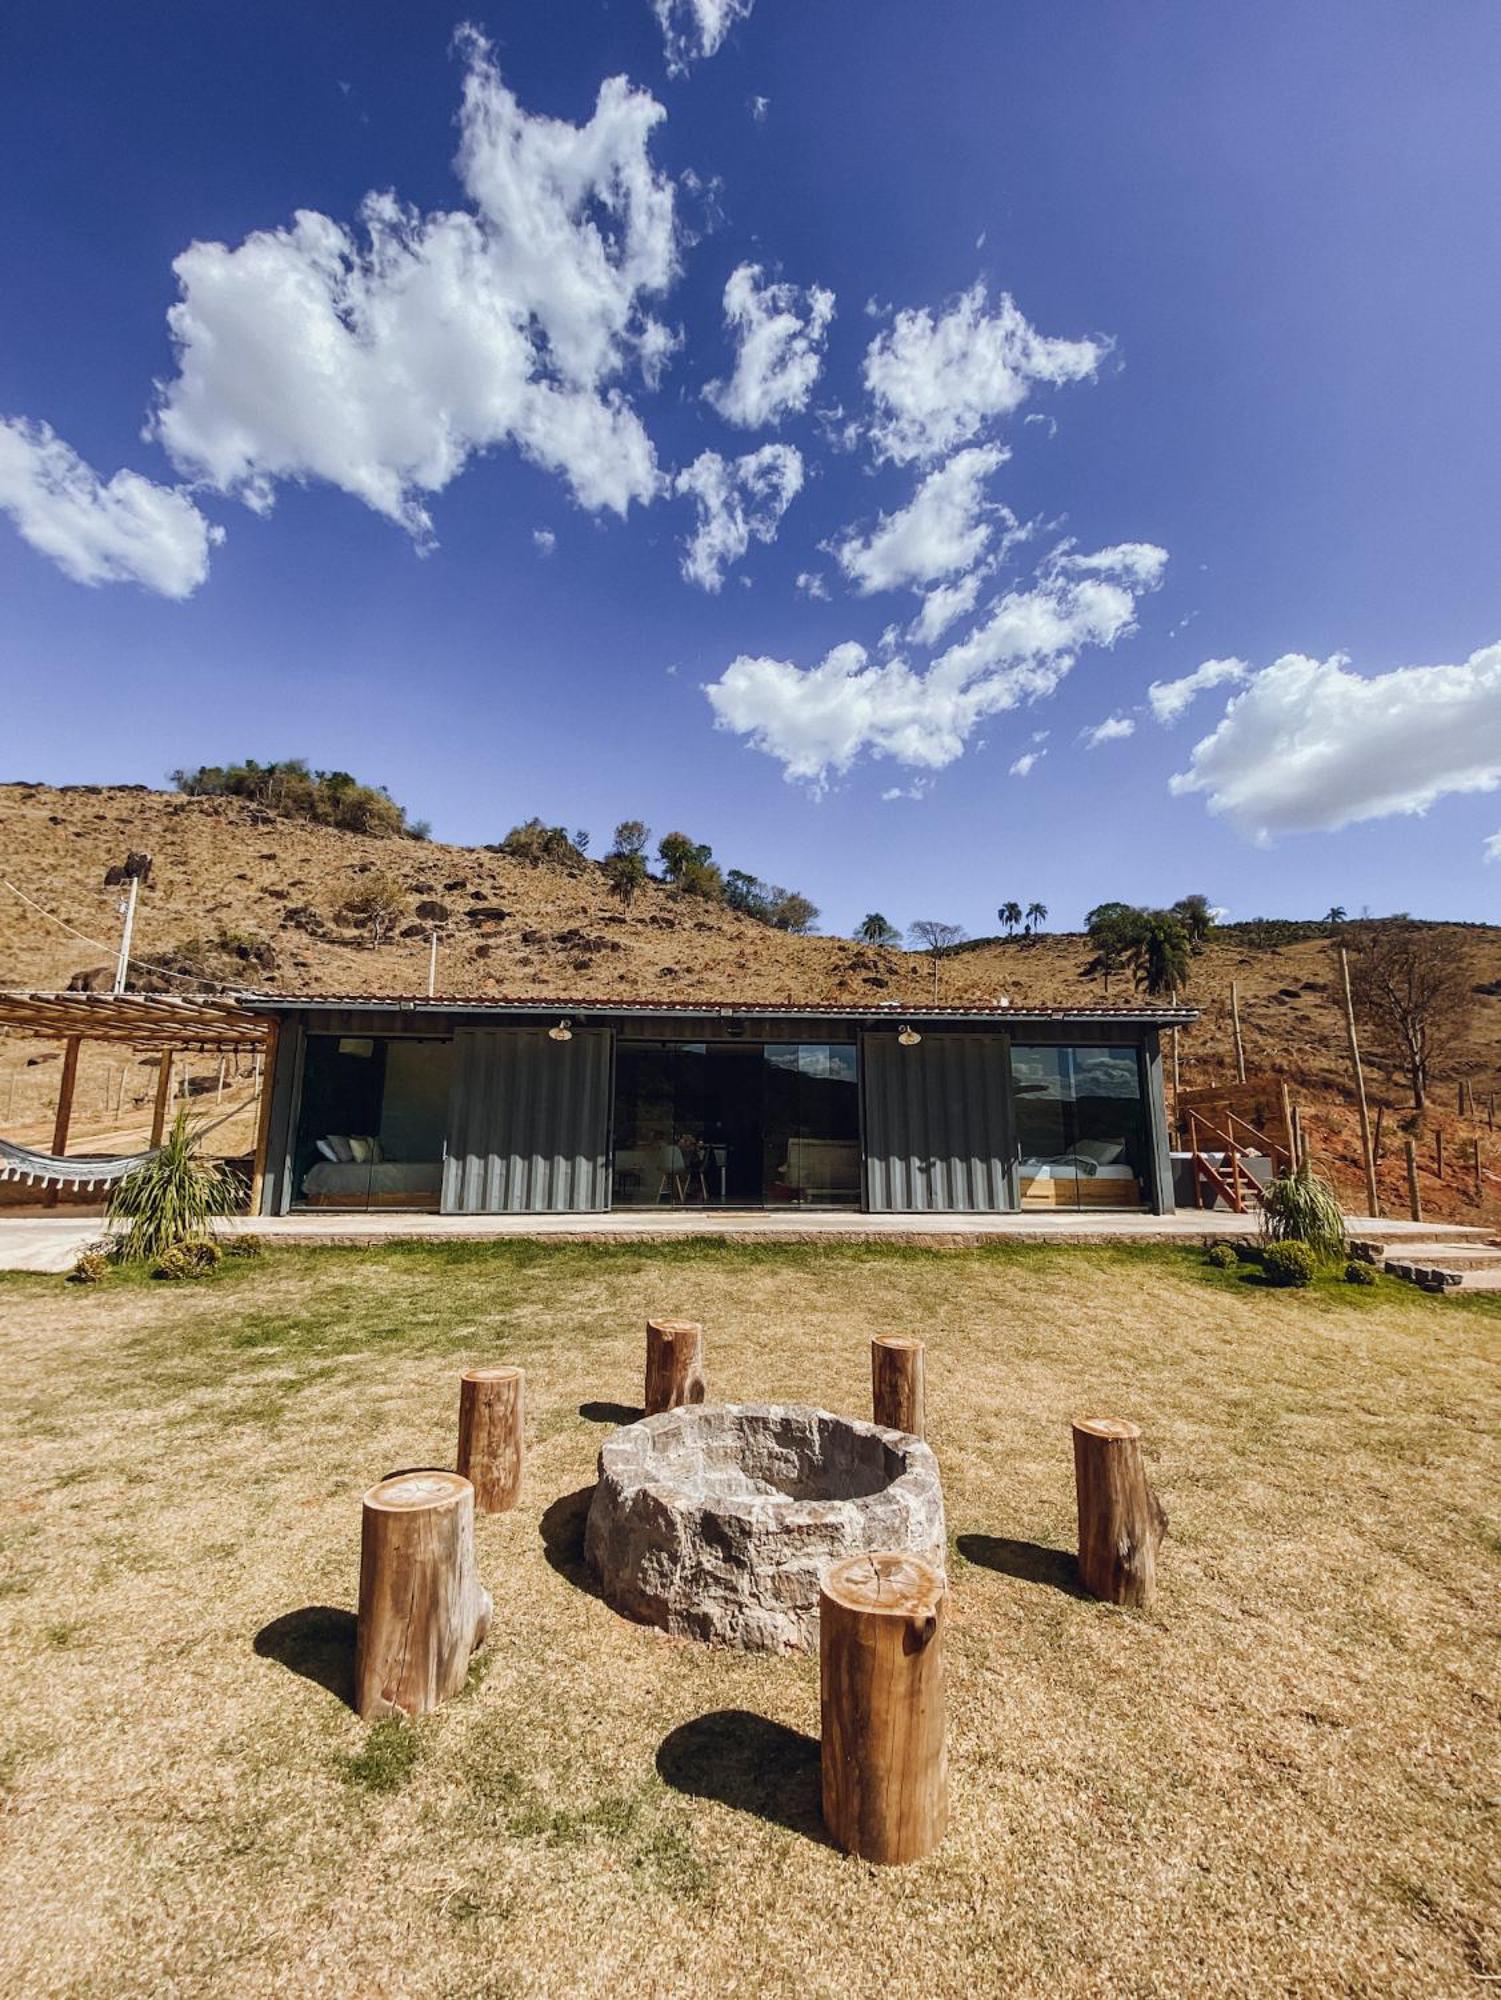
<point x="1070" y="1170"/>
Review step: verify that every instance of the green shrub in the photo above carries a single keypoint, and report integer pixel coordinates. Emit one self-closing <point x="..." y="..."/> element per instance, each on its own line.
<point x="241" y="1246"/>
<point x="1302" y="1207"/>
<point x="92" y="1268"/>
<point x="171" y="1198"/>
<point x="187" y="1260"/>
<point x="1222" y="1256"/>
<point x="1288" y="1263"/>
<point x="1357" y="1273"/>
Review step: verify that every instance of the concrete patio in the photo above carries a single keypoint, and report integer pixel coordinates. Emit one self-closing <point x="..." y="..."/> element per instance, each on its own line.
<point x="42" y="1242"/>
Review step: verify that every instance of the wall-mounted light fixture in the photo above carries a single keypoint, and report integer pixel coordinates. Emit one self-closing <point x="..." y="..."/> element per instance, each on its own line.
<point x="563" y="1032"/>
<point x="908" y="1036"/>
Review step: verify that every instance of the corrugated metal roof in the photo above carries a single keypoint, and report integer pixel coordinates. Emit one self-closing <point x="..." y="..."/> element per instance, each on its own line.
<point x="597" y="1007"/>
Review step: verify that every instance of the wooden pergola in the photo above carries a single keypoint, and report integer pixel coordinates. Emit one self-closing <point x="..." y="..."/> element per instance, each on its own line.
<point x="170" y="1024"/>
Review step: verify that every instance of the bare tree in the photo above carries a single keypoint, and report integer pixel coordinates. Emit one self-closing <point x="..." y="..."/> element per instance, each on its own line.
<point x="937" y="940"/>
<point x="1412" y="987"/>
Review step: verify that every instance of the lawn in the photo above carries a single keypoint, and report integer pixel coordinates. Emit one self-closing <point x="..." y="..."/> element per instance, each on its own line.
<point x="1286" y="1779"/>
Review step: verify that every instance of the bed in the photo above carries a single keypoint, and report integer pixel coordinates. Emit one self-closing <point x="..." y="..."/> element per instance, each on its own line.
<point x="1092" y="1175"/>
<point x="373" y="1184"/>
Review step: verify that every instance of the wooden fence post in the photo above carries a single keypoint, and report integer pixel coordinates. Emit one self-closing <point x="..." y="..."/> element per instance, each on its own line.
<point x="1414" y="1197"/>
<point x="65" y="1087"/>
<point x="1240" y="1047"/>
<point x="1479" y="1177"/>
<point x="1368" y="1156"/>
<point x="1438" y="1151"/>
<point x="880" y="1656"/>
<point x="163" y="1096"/>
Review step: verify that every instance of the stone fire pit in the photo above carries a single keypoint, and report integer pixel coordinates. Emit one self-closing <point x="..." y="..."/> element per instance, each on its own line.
<point x="718" y="1521"/>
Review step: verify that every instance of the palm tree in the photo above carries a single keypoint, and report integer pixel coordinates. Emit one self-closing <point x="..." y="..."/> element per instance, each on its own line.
<point x="1037" y="916"/>
<point x="1159" y="954"/>
<point x="1010" y="914"/>
<point x="877" y="931"/>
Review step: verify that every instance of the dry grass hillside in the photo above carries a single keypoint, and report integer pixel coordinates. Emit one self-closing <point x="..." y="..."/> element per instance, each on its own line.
<point x="245" y="898"/>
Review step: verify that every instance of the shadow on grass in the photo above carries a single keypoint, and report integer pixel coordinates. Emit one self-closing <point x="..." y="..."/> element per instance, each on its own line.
<point x="562" y="1530"/>
<point x="1031" y="1562"/>
<point x="745" y="1761"/>
<point x="611" y="1413"/>
<point x="316" y="1642"/>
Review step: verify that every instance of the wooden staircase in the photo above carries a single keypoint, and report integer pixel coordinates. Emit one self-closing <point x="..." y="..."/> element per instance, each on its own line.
<point x="1227" y="1179"/>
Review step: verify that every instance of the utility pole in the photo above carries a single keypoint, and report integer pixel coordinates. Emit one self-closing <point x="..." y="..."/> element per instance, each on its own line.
<point x="432" y="965"/>
<point x="131" y="872"/>
<point x="1367" y="1150"/>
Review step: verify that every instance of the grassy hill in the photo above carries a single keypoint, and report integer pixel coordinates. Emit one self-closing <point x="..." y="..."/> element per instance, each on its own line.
<point x="246" y="898"/>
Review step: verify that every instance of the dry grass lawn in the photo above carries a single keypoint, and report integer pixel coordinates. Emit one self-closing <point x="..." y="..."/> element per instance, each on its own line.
<point x="1286" y="1780"/>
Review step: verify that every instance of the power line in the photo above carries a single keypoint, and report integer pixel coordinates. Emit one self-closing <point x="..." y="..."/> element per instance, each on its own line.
<point x="151" y="965"/>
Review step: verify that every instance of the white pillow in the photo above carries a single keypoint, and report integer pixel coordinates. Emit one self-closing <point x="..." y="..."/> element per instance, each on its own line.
<point x="343" y="1152"/>
<point x="362" y="1150"/>
<point x="326" y="1150"/>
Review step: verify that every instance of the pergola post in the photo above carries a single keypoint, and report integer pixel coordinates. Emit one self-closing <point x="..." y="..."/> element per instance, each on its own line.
<point x="65" y="1088"/>
<point x="163" y="1096"/>
<point x="266" y="1079"/>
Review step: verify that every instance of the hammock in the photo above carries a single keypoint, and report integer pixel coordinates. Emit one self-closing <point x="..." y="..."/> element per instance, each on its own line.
<point x="20" y="1163"/>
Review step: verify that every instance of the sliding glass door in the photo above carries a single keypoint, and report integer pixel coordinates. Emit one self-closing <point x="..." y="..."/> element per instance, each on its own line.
<point x="1080" y="1126"/>
<point x="726" y="1124"/>
<point x="371" y="1127"/>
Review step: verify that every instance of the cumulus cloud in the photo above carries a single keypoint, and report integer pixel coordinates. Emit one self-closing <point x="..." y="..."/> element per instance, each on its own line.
<point x="381" y="358"/>
<point x="695" y="28"/>
<point x="1170" y="699"/>
<point x="779" y="334"/>
<point x="937" y="381"/>
<point x="544" y="540"/>
<point x="121" y="530"/>
<point x="739" y="500"/>
<point x="944" y="528"/>
<point x="1493" y="848"/>
<point x="1312" y="746"/>
<point x="819" y="720"/>
<point x="1026" y="762"/>
<point x="1111" y="730"/>
<point x="811" y="584"/>
<point x="943" y="605"/>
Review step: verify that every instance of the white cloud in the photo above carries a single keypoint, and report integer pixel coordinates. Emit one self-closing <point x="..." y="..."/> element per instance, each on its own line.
<point x="1493" y="848"/>
<point x="1311" y="746"/>
<point x="694" y="28"/>
<point x="944" y="528"/>
<point x="943" y="605"/>
<point x="381" y="359"/>
<point x="1026" y="763"/>
<point x="1170" y="699"/>
<point x="739" y="500"/>
<point x="937" y="381"/>
<point x="545" y="540"/>
<point x="1112" y="730"/>
<point x="811" y="584"/>
<point x="121" y="530"/>
<point x="779" y="331"/>
<point x="759" y="106"/>
<point x="818" y="720"/>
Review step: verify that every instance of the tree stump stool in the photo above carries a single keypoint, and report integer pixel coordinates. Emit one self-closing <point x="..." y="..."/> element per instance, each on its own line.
<point x="896" y="1382"/>
<point x="422" y="1611"/>
<point x="674" y="1364"/>
<point x="1121" y="1522"/>
<point x="885" y="1767"/>
<point x="492" y="1445"/>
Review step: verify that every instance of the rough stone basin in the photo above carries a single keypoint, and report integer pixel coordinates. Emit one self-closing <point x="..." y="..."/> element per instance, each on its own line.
<point x="717" y="1521"/>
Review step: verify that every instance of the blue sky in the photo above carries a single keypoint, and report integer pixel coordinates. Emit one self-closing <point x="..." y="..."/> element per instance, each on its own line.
<point x="1059" y="351"/>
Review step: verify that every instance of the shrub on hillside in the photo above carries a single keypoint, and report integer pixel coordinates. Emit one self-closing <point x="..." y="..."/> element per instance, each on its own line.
<point x="328" y="798"/>
<point x="539" y="844"/>
<point x="376" y="906"/>
<point x="1222" y="1256"/>
<point x="1288" y="1263"/>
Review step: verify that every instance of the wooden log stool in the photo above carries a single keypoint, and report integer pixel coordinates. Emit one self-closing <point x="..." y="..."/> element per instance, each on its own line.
<point x="1121" y="1522"/>
<point x="880" y="1656"/>
<point x="674" y="1364"/>
<point x="896" y="1382"/>
<point x="492" y="1444"/>
<point x="422" y="1611"/>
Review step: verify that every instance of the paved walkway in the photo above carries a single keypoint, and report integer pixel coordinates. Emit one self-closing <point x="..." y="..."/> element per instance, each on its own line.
<point x="51" y="1243"/>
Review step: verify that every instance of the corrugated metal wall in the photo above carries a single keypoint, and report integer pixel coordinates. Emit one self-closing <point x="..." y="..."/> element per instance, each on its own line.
<point x="937" y="1125"/>
<point x="528" y="1123"/>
